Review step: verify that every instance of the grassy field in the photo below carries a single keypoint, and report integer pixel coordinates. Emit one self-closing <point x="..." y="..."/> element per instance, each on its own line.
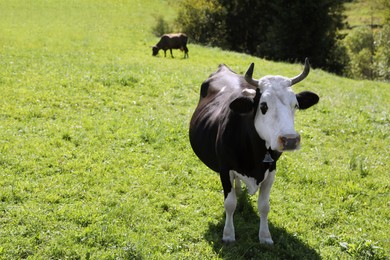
<point x="95" y="161"/>
<point x="364" y="13"/>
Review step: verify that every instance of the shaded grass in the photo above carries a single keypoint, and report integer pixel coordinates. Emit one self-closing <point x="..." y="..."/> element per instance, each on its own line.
<point x="95" y="160"/>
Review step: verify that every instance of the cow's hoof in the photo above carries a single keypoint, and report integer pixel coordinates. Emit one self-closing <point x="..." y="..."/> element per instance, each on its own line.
<point x="228" y="240"/>
<point x="267" y="241"/>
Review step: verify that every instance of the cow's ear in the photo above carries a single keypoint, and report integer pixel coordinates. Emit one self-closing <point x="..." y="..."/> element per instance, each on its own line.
<point x="242" y="105"/>
<point x="307" y="99"/>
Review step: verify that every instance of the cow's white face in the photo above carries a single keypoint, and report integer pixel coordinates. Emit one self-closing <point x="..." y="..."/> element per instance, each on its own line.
<point x="274" y="120"/>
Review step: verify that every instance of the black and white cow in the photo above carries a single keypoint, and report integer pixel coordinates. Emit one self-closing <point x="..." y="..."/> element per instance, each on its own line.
<point x="240" y="128"/>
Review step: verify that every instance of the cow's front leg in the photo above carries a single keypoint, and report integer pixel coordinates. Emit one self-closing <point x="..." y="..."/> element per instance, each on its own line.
<point x="171" y="53"/>
<point x="230" y="204"/>
<point x="263" y="204"/>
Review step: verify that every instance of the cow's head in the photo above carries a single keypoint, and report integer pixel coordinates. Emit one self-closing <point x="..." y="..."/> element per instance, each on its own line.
<point x="275" y="105"/>
<point x="155" y="50"/>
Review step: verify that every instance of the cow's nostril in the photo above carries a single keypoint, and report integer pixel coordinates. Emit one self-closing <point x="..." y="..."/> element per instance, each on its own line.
<point x="290" y="142"/>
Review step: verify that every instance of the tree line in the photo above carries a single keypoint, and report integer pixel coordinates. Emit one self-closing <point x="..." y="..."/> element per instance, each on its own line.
<point x="290" y="30"/>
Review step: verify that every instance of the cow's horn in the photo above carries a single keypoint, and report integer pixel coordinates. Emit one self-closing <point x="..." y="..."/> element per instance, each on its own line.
<point x="303" y="75"/>
<point x="248" y="76"/>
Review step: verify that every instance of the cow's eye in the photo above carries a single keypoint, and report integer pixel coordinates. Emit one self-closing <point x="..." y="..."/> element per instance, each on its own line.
<point x="263" y="107"/>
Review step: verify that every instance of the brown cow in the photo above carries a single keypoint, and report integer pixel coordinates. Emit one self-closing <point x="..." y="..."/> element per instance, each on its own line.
<point x="172" y="41"/>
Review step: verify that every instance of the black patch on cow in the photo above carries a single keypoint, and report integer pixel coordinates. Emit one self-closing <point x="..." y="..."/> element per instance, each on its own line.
<point x="256" y="100"/>
<point x="263" y="107"/>
<point x="307" y="99"/>
<point x="242" y="105"/>
<point x="204" y="88"/>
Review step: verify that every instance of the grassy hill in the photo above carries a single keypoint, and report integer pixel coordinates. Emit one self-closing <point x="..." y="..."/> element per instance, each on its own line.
<point x="364" y="13"/>
<point x="95" y="161"/>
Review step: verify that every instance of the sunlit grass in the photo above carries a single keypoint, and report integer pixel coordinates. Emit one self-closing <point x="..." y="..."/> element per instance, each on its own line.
<point x="95" y="160"/>
<point x="364" y="13"/>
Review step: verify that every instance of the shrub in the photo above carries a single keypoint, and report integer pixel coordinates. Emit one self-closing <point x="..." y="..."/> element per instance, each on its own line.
<point x="369" y="53"/>
<point x="161" y="27"/>
<point x="202" y="20"/>
<point x="338" y="58"/>
<point x="382" y="53"/>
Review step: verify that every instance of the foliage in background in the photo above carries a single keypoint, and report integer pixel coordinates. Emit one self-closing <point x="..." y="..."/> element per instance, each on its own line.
<point x="368" y="53"/>
<point x="203" y="21"/>
<point x="278" y="30"/>
<point x="360" y="46"/>
<point x="292" y="30"/>
<point x="382" y="52"/>
<point x="367" y="41"/>
<point x="161" y="27"/>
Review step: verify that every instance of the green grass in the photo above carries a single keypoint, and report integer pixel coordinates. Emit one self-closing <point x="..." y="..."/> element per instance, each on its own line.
<point x="95" y="161"/>
<point x="364" y="13"/>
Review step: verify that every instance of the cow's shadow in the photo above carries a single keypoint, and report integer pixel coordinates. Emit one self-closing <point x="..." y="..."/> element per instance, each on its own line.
<point x="247" y="246"/>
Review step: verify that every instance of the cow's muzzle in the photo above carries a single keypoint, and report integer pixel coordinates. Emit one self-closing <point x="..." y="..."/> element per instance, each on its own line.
<point x="289" y="142"/>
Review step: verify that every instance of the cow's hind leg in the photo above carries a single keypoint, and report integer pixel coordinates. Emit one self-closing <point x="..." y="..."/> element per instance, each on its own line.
<point x="185" y="52"/>
<point x="230" y="204"/>
<point x="263" y="204"/>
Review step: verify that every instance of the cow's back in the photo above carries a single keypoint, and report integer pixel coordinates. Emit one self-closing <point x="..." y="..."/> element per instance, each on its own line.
<point x="213" y="114"/>
<point x="173" y="41"/>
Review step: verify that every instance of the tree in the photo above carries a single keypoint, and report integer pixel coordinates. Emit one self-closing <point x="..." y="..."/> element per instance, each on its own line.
<point x="287" y="30"/>
<point x="369" y="53"/>
<point x="382" y="53"/>
<point x="203" y="21"/>
<point x="303" y="28"/>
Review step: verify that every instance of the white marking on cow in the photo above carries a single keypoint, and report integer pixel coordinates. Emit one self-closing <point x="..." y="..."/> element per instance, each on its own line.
<point x="263" y="206"/>
<point x="248" y="92"/>
<point x="250" y="182"/>
<point x="230" y="204"/>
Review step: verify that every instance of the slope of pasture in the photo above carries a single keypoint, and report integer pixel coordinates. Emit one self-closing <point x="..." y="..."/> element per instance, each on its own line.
<point x="95" y="161"/>
<point x="364" y="13"/>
